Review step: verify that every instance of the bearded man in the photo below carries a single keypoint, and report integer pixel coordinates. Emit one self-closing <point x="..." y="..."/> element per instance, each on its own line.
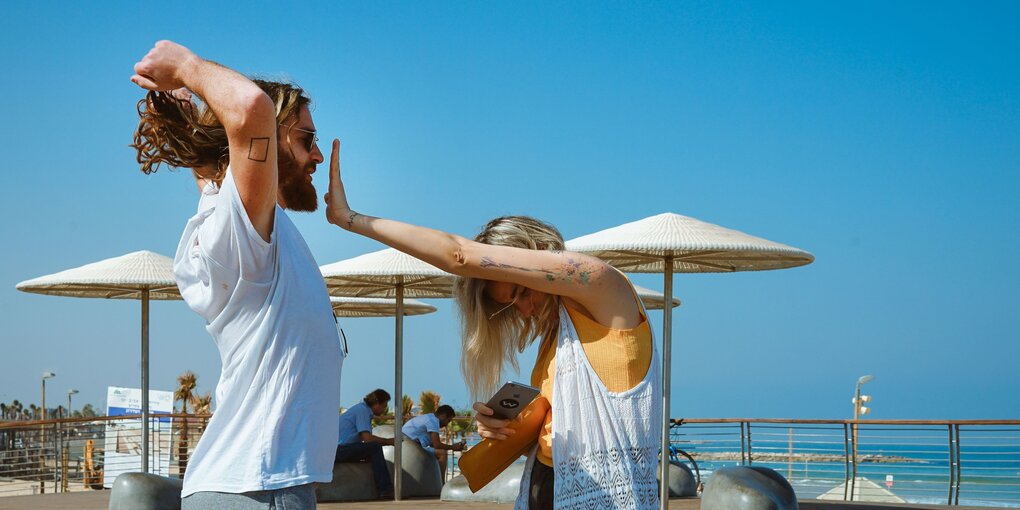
<point x="242" y="265"/>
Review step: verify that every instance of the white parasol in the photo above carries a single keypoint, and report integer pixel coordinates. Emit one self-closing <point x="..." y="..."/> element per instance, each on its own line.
<point x="654" y="300"/>
<point x="377" y="307"/>
<point x="668" y="243"/>
<point x="394" y="274"/>
<point x="141" y="275"/>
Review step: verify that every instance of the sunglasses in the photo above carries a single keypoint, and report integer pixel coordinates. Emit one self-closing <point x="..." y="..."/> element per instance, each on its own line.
<point x="520" y="292"/>
<point x="314" y="140"/>
<point x="343" y="345"/>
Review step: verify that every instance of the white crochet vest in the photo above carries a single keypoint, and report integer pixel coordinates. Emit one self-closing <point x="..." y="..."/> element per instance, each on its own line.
<point x="605" y="444"/>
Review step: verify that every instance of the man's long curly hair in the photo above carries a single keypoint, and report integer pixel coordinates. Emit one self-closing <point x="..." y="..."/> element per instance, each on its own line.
<point x="180" y="133"/>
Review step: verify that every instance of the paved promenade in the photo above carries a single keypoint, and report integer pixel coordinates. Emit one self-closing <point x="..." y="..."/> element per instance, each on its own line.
<point x="99" y="500"/>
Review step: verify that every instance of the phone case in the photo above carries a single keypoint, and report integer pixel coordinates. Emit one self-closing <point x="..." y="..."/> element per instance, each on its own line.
<point x="511" y="399"/>
<point x="487" y="459"/>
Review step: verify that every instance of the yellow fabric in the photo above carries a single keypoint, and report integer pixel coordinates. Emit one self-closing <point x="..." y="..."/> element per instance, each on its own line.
<point x="620" y="357"/>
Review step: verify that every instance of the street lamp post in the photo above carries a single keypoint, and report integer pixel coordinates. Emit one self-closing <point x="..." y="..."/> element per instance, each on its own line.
<point x="859" y="400"/>
<point x="45" y="375"/>
<point x="69" y="393"/>
<point x="65" y="446"/>
<point x="859" y="410"/>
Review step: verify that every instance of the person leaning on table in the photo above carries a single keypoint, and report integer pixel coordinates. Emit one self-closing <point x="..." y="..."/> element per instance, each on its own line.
<point x="357" y="443"/>
<point x="424" y="430"/>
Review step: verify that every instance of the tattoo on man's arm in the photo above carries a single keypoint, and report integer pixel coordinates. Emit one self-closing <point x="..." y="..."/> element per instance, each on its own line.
<point x="350" y="219"/>
<point x="259" y="150"/>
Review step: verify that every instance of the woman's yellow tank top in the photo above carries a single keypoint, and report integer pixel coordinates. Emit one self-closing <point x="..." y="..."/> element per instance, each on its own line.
<point x="620" y="357"/>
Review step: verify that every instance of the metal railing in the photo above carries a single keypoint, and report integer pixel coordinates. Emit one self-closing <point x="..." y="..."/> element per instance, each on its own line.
<point x="951" y="462"/>
<point x="65" y="455"/>
<point x="47" y="456"/>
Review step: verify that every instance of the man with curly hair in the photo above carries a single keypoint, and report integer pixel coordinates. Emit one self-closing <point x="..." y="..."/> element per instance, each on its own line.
<point x="242" y="265"/>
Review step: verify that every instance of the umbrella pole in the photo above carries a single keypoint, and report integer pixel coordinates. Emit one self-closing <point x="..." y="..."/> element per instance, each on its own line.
<point x="398" y="398"/>
<point x="145" y="380"/>
<point x="667" y="325"/>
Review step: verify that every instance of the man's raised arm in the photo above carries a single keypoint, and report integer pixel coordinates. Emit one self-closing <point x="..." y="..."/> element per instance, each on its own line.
<point x="246" y="112"/>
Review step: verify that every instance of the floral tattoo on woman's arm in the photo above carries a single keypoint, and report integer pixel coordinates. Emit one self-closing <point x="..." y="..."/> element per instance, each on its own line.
<point x="570" y="271"/>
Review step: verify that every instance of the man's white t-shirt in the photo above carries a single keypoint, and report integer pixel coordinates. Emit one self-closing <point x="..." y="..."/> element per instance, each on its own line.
<point x="266" y="307"/>
<point x="418" y="428"/>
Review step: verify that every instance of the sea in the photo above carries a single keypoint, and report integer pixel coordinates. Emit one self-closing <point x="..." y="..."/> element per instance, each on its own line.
<point x="989" y="475"/>
<point x="912" y="465"/>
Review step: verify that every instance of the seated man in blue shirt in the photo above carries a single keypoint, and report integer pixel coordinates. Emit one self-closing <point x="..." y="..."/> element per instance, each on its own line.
<point x="424" y="430"/>
<point x="357" y="443"/>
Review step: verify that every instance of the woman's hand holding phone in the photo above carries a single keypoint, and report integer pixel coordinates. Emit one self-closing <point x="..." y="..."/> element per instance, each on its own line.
<point x="490" y="427"/>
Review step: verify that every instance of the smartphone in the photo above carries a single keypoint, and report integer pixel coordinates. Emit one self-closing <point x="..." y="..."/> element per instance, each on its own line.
<point x="511" y="399"/>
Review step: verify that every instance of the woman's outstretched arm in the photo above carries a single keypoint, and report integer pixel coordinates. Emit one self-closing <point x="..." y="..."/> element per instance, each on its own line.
<point x="602" y="290"/>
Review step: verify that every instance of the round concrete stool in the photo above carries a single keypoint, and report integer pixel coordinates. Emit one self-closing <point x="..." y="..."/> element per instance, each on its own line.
<point x="143" y="491"/>
<point x="748" y="488"/>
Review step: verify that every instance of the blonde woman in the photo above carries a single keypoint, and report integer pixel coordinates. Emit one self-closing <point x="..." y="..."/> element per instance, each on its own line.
<point x="596" y="363"/>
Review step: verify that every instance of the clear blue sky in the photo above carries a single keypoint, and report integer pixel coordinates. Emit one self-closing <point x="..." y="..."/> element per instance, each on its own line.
<point x="882" y="137"/>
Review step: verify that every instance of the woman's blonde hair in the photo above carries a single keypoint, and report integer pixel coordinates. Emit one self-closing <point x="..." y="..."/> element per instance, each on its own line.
<point x="179" y="133"/>
<point x="492" y="343"/>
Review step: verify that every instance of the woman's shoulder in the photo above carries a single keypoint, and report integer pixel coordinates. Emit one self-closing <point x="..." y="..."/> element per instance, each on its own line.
<point x="583" y="318"/>
<point x="613" y="303"/>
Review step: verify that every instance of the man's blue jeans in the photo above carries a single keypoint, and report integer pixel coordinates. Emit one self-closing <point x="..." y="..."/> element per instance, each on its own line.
<point x="372" y="452"/>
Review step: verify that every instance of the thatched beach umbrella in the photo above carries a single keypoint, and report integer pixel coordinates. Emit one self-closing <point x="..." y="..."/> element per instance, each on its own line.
<point x="670" y="243"/>
<point x="141" y="275"/>
<point x="355" y="307"/>
<point x="653" y="300"/>
<point x="377" y="307"/>
<point x="392" y="274"/>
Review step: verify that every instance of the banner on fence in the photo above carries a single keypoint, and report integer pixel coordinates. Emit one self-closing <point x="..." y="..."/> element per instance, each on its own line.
<point x="123" y="448"/>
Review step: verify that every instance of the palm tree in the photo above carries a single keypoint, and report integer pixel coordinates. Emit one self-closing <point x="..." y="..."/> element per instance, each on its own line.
<point x="465" y="426"/>
<point x="185" y="392"/>
<point x="203" y="405"/>
<point x="429" y="401"/>
<point x="407" y="404"/>
<point x="35" y="410"/>
<point x="3" y="433"/>
<point x="88" y="411"/>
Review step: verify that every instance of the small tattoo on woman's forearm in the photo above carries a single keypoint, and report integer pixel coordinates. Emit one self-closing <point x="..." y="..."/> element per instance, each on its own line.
<point x="489" y="262"/>
<point x="350" y="219"/>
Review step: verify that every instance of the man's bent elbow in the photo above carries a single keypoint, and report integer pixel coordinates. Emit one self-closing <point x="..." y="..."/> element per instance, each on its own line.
<point x="253" y="109"/>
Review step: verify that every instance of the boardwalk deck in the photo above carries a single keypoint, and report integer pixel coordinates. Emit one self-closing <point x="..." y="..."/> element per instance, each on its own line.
<point x="99" y="500"/>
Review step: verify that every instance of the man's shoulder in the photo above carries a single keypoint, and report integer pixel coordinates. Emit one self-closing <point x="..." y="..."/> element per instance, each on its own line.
<point x="363" y="410"/>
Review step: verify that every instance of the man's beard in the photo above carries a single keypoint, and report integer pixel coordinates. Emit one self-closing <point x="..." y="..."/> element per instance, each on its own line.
<point x="297" y="191"/>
